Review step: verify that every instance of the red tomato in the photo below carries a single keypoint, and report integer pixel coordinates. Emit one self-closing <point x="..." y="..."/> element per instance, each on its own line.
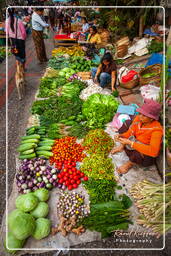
<point x="82" y="175"/>
<point x="78" y="182"/>
<point x="75" y="185"/>
<point x="60" y="181"/>
<point x="73" y="164"/>
<point x="72" y="181"/>
<point x="67" y="183"/>
<point x="85" y="178"/>
<point x="65" y="178"/>
<point x="59" y="175"/>
<point x="70" y="187"/>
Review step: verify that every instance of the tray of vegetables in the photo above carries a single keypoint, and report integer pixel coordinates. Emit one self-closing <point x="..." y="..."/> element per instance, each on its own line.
<point x="34" y="174"/>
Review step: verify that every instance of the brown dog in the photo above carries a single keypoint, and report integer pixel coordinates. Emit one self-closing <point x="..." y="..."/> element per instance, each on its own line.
<point x="20" y="79"/>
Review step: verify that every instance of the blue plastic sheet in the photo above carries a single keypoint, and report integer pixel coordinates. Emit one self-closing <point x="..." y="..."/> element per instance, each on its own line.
<point x="156" y="58"/>
<point x="149" y="32"/>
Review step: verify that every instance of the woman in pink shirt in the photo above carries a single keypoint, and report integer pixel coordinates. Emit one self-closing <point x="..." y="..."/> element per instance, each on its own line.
<point x="17" y="34"/>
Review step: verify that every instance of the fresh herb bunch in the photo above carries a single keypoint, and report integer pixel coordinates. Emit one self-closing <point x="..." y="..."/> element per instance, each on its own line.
<point x="98" y="141"/>
<point x="100" y="191"/>
<point x="78" y="130"/>
<point x="98" y="166"/>
<point x="107" y="217"/>
<point x="48" y="86"/>
<point x="55" y="109"/>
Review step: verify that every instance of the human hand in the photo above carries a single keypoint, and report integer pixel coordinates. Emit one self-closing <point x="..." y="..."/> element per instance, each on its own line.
<point x="95" y="79"/>
<point x="125" y="141"/>
<point x="116" y="137"/>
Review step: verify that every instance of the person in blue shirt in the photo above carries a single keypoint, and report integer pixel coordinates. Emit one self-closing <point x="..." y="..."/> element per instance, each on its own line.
<point x="38" y="25"/>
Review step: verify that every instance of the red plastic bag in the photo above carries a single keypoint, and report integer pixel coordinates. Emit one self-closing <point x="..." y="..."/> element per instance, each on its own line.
<point x="131" y="75"/>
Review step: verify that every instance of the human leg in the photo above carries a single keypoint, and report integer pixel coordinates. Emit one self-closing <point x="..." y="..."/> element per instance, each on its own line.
<point x="105" y="79"/>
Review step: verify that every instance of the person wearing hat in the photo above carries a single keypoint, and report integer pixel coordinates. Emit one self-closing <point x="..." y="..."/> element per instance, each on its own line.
<point x="142" y="141"/>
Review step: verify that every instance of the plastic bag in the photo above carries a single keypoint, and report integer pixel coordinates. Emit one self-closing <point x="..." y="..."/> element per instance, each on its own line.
<point x="131" y="75"/>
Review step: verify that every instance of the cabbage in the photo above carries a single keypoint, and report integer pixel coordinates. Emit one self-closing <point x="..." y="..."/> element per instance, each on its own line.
<point x="61" y="73"/>
<point x="21" y="224"/>
<point x="13" y="243"/>
<point x="27" y="202"/>
<point x="41" y="210"/>
<point x="42" y="194"/>
<point x="42" y="228"/>
<point x="99" y="109"/>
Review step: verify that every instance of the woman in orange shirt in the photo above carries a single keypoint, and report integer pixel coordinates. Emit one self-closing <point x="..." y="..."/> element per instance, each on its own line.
<point x="142" y="141"/>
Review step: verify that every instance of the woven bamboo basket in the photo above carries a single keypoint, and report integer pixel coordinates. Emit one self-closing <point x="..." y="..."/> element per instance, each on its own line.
<point x="156" y="69"/>
<point x="131" y="84"/>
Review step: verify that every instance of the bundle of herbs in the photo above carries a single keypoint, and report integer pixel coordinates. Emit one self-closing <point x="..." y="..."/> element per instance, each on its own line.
<point x="48" y="86"/>
<point x="109" y="216"/>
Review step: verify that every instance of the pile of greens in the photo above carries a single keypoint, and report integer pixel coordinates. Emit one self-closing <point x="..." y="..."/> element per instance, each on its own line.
<point x="78" y="130"/>
<point x="155" y="47"/>
<point x="168" y="138"/>
<point x="59" y="62"/>
<point x="100" y="191"/>
<point x="98" y="141"/>
<point x="98" y="166"/>
<point x="109" y="216"/>
<point x="79" y="64"/>
<point x="73" y="88"/>
<point x="99" y="109"/>
<point x="48" y="86"/>
<point x="55" y="109"/>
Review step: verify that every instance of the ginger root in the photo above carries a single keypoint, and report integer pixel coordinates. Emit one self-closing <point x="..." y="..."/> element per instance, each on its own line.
<point x="78" y="230"/>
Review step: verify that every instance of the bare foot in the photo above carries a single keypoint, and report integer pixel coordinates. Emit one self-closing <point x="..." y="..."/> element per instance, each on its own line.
<point x="117" y="149"/>
<point x="125" y="167"/>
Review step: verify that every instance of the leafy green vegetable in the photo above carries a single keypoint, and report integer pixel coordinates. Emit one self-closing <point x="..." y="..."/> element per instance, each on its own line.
<point x="100" y="190"/>
<point x="27" y="202"/>
<point x="56" y="108"/>
<point x="78" y="130"/>
<point x="21" y="224"/>
<point x="99" y="110"/>
<point x="155" y="47"/>
<point x="41" y="210"/>
<point x="42" y="194"/>
<point x="48" y="86"/>
<point x="107" y="217"/>
<point x="42" y="228"/>
<point x="73" y="88"/>
<point x="98" y="166"/>
<point x="98" y="141"/>
<point x="13" y="243"/>
<point x="58" y="62"/>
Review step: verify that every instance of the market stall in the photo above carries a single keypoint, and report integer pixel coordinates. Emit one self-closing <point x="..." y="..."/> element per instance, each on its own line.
<point x="66" y="184"/>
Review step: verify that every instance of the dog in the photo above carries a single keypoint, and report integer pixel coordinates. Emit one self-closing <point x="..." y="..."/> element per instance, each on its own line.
<point x="20" y="79"/>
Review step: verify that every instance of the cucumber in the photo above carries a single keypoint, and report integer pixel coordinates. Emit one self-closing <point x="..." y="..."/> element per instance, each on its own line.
<point x="43" y="148"/>
<point x="48" y="140"/>
<point x="27" y="152"/>
<point x="44" y="153"/>
<point x="30" y="133"/>
<point x="34" y="136"/>
<point x="29" y="141"/>
<point x="45" y="143"/>
<point x="30" y="156"/>
<point x="32" y="127"/>
<point x="26" y="146"/>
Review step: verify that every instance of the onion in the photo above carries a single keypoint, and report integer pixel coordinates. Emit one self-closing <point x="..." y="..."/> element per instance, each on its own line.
<point x="51" y="180"/>
<point x="48" y="176"/>
<point x="30" y="184"/>
<point x="42" y="168"/>
<point x="18" y="184"/>
<point x="42" y="185"/>
<point x="54" y="176"/>
<point x="59" y="185"/>
<point x="34" y="188"/>
<point x="25" y="160"/>
<point x="24" y="186"/>
<point x="53" y="171"/>
<point x="37" y="169"/>
<point x="55" y="184"/>
<point x="63" y="187"/>
<point x="34" y="181"/>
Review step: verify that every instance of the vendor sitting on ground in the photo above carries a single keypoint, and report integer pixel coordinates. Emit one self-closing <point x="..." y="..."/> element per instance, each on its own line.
<point x="94" y="37"/>
<point x="142" y="141"/>
<point x="106" y="72"/>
